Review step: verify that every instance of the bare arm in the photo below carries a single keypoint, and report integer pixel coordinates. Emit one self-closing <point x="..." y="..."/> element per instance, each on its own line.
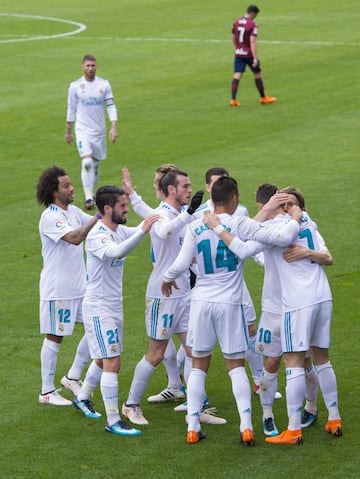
<point x="113" y="135"/>
<point x="274" y="203"/>
<point x="68" y="132"/>
<point x="296" y="252"/>
<point x="77" y="236"/>
<point x="253" y="47"/>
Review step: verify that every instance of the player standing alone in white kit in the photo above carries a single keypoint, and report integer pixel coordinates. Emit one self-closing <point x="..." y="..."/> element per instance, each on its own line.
<point x="87" y="99"/>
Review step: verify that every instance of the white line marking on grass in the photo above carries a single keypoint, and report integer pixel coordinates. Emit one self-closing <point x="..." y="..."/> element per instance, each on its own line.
<point x="22" y="38"/>
<point x="204" y="40"/>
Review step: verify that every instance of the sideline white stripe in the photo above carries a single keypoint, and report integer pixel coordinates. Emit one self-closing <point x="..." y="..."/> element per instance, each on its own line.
<point x="82" y="27"/>
<point x="21" y="38"/>
<point x="204" y="40"/>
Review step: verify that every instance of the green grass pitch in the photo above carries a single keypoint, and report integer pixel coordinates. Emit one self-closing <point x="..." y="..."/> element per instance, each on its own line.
<point x="170" y="66"/>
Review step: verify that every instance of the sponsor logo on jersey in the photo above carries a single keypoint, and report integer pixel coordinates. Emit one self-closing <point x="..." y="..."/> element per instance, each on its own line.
<point x="116" y="263"/>
<point x="240" y="51"/>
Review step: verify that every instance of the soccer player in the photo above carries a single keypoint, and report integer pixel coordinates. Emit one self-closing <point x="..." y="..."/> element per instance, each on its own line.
<point x="268" y="340"/>
<point x="87" y="99"/>
<point x="164" y="317"/>
<point x="307" y="312"/>
<point x="254" y="359"/>
<point x="216" y="303"/>
<point x="106" y="248"/>
<point x="63" y="227"/>
<point x="174" y="361"/>
<point x="244" y="34"/>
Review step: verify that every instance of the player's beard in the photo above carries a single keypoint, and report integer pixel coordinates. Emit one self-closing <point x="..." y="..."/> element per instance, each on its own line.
<point x="117" y="219"/>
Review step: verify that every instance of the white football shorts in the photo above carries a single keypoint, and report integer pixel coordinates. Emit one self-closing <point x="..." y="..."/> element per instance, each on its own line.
<point x="104" y="332"/>
<point x="94" y="146"/>
<point x="58" y="317"/>
<point x="165" y="317"/>
<point x="217" y="322"/>
<point x="306" y="327"/>
<point x="268" y="336"/>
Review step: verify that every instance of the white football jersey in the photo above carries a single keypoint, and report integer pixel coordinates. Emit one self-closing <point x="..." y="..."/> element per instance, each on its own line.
<point x="86" y="104"/>
<point x="303" y="282"/>
<point x="209" y="206"/>
<point x="63" y="274"/>
<point x="219" y="271"/>
<point x="167" y="237"/>
<point x="105" y="272"/>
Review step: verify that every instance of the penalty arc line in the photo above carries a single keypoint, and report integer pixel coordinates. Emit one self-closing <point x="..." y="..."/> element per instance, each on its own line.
<point x="81" y="28"/>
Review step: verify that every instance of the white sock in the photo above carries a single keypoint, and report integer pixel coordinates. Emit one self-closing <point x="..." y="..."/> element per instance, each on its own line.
<point x="254" y="360"/>
<point x="195" y="398"/>
<point x="142" y="374"/>
<point x="328" y="386"/>
<point x="92" y="380"/>
<point x="295" y="394"/>
<point x="89" y="176"/>
<point x="312" y="389"/>
<point x="81" y="359"/>
<point x="242" y="394"/>
<point x="187" y="368"/>
<point x="180" y="357"/>
<point x="171" y="365"/>
<point x="48" y="357"/>
<point x="268" y="387"/>
<point x="110" y="395"/>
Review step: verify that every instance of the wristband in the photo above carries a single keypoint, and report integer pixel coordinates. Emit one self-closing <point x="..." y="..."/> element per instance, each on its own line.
<point x="98" y="216"/>
<point x="218" y="229"/>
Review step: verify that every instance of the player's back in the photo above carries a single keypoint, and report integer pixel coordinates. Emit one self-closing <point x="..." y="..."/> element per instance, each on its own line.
<point x="303" y="282"/>
<point x="243" y="29"/>
<point x="219" y="270"/>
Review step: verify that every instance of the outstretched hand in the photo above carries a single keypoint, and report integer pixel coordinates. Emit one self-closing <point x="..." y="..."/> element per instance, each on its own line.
<point x="126" y="182"/>
<point x="148" y="222"/>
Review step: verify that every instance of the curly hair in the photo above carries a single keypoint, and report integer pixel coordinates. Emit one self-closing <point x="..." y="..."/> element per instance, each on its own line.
<point x="47" y="185"/>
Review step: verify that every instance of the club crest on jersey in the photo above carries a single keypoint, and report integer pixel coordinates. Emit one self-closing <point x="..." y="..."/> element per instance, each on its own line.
<point x="82" y="86"/>
<point x="101" y="90"/>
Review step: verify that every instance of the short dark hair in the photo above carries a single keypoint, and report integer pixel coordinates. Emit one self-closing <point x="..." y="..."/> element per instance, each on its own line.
<point x="87" y="58"/>
<point x="216" y="171"/>
<point x="223" y="190"/>
<point x="291" y="190"/>
<point x="48" y="183"/>
<point x="170" y="178"/>
<point x="107" y="195"/>
<point x="265" y="192"/>
<point x="252" y="9"/>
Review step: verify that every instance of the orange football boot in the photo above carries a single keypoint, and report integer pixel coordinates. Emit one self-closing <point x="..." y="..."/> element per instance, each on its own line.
<point x="334" y="427"/>
<point x="287" y="437"/>
<point x="267" y="99"/>
<point x="234" y="103"/>
<point x="193" y="437"/>
<point x="247" y="437"/>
